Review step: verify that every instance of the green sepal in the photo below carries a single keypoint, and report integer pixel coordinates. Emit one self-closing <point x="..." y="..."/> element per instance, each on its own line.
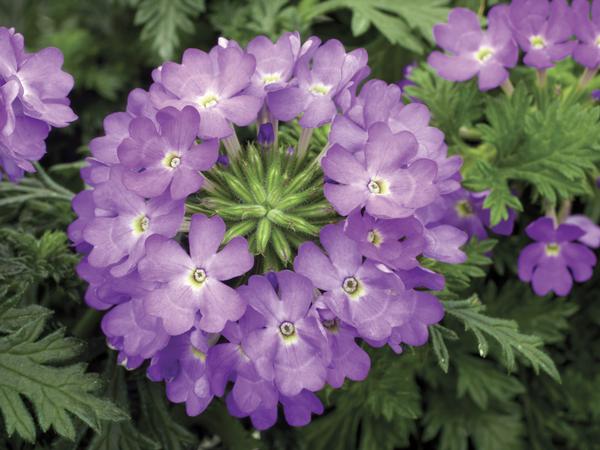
<point x="239" y="229"/>
<point x="263" y="234"/>
<point x="280" y="245"/>
<point x="292" y="222"/>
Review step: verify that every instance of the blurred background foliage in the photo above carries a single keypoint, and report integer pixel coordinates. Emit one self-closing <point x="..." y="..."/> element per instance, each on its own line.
<point x="110" y="47"/>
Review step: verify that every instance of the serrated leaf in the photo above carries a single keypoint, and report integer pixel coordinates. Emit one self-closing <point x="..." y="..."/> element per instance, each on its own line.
<point x="163" y="20"/>
<point x="505" y="333"/>
<point x="31" y="367"/>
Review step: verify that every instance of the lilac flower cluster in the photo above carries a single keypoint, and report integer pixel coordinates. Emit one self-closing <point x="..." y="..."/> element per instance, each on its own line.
<point x="190" y="295"/>
<point x="33" y="98"/>
<point x="560" y="254"/>
<point x="545" y="31"/>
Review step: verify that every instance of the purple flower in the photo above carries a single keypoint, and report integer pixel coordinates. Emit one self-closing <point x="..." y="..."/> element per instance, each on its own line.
<point x="395" y="243"/>
<point x="42" y="85"/>
<point x="348" y="359"/>
<point x="464" y="210"/>
<point x="587" y="30"/>
<point x="140" y="336"/>
<point x="380" y="102"/>
<point x="266" y="136"/>
<point x="194" y="283"/>
<point x="554" y="260"/>
<point x="380" y="181"/>
<point x="229" y="362"/>
<point x="297" y="410"/>
<point x="33" y="97"/>
<point x="214" y="84"/>
<point x="543" y="30"/>
<point x="425" y="310"/>
<point x="591" y="238"/>
<point x="356" y="291"/>
<point x="168" y="158"/>
<point x="472" y="51"/>
<point x="182" y="365"/>
<point x="324" y="79"/>
<point x="275" y="62"/>
<point x="290" y="348"/>
<point x="119" y="233"/>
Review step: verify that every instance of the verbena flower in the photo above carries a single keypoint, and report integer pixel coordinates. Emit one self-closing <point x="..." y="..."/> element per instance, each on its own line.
<point x="381" y="182"/>
<point x="33" y="98"/>
<point x="289" y="348"/>
<point x="587" y="30"/>
<point x="554" y="260"/>
<point x="194" y="283"/>
<point x="357" y="291"/>
<point x="214" y="84"/>
<point x="324" y="80"/>
<point x="543" y="30"/>
<point x="472" y="51"/>
<point x="168" y="158"/>
<point x="228" y="318"/>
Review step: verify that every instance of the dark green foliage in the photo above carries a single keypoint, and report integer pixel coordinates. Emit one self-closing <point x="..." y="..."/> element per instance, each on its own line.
<point x="488" y="379"/>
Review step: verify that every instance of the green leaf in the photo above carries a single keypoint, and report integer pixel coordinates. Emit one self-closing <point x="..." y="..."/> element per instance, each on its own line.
<point x="482" y="381"/>
<point x="122" y="435"/>
<point x="505" y="333"/>
<point x="406" y="24"/>
<point x="388" y="399"/>
<point x="548" y="146"/>
<point x="33" y="367"/>
<point x="163" y="20"/>
<point x="457" y="422"/>
<point x="158" y="420"/>
<point x="459" y="277"/>
<point x="452" y="105"/>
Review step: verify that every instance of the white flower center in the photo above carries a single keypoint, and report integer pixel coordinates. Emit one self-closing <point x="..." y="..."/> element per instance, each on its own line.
<point x="537" y="42"/>
<point x="484" y="54"/>
<point x="350" y="285"/>
<point x="287" y="329"/>
<point x="172" y="160"/>
<point x="141" y="224"/>
<point x="208" y="100"/>
<point x="270" y="78"/>
<point x="375" y="238"/>
<point x="597" y="41"/>
<point x="463" y="208"/>
<point x="552" y="249"/>
<point x="319" y="89"/>
<point x="378" y="187"/>
<point x="199" y="276"/>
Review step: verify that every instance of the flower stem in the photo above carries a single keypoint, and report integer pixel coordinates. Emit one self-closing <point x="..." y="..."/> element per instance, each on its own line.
<point x="232" y="144"/>
<point x="481" y="10"/>
<point x="586" y="77"/>
<point x="508" y="87"/>
<point x="86" y="325"/>
<point x="542" y="77"/>
<point x="50" y="183"/>
<point x="565" y="210"/>
<point x="304" y="141"/>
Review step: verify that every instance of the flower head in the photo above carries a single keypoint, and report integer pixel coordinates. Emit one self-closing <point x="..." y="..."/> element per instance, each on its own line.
<point x="324" y="78"/>
<point x="194" y="283"/>
<point x="214" y="84"/>
<point x="543" y="30"/>
<point x="587" y="30"/>
<point x="33" y="98"/>
<point x="168" y="158"/>
<point x="472" y="51"/>
<point x="554" y="260"/>
<point x="380" y="180"/>
<point x="289" y="348"/>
